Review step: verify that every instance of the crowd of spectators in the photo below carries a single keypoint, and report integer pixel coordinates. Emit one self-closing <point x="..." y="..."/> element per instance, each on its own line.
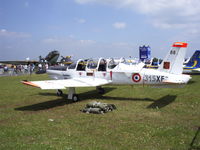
<point x="17" y="69"/>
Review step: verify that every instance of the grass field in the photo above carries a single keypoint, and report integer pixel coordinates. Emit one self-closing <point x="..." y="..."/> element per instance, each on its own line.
<point x="145" y="119"/>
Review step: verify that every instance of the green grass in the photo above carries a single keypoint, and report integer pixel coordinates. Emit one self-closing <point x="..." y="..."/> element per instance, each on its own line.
<point x="146" y="118"/>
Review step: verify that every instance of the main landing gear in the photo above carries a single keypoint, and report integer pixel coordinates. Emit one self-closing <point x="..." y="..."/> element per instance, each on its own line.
<point x="71" y="94"/>
<point x="100" y="90"/>
<point x="74" y="97"/>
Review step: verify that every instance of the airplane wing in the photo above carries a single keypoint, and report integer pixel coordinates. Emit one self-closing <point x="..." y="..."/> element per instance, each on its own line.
<point x="176" y="81"/>
<point x="19" y="62"/>
<point x="63" y="84"/>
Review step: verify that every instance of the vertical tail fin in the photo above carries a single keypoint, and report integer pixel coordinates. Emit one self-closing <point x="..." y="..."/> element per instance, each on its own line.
<point x="173" y="62"/>
<point x="194" y="61"/>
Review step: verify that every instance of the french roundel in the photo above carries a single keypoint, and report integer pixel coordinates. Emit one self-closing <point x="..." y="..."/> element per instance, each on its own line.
<point x="136" y="77"/>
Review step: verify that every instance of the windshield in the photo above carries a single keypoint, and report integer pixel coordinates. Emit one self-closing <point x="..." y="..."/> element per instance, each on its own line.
<point x="112" y="64"/>
<point x="81" y="65"/>
<point x="72" y="66"/>
<point x="92" y="64"/>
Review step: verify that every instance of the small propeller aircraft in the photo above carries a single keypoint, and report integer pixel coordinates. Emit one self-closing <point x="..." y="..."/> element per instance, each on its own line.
<point x="193" y="66"/>
<point x="51" y="58"/>
<point x="96" y="73"/>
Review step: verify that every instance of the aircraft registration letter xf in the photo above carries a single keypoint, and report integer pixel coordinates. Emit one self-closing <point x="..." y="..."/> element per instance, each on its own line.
<point x="154" y="78"/>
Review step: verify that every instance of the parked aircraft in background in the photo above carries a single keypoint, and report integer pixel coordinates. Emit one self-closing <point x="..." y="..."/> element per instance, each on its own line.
<point x="66" y="60"/>
<point x="20" y="62"/>
<point x="152" y="64"/>
<point x="193" y="66"/>
<point x="186" y="61"/>
<point x="51" y="58"/>
<point x="96" y="73"/>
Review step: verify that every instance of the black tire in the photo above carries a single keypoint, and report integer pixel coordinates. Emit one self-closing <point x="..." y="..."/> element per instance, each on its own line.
<point x="59" y="93"/>
<point x="75" y="98"/>
<point x="101" y="91"/>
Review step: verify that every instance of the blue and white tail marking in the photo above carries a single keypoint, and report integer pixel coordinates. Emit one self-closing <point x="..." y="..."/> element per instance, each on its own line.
<point x="194" y="62"/>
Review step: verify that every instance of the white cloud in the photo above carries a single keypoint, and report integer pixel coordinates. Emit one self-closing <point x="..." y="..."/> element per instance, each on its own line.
<point x="51" y="41"/>
<point x="71" y="36"/>
<point x="179" y="17"/>
<point x="67" y="41"/>
<point x="88" y="48"/>
<point x="3" y="31"/>
<point x="80" y="20"/>
<point x="86" y="42"/>
<point x="83" y="1"/>
<point x="119" y="25"/>
<point x="182" y="7"/>
<point x="160" y="13"/>
<point x="9" y="34"/>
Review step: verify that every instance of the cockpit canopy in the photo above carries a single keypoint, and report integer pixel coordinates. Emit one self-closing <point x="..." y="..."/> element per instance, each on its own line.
<point x="78" y="65"/>
<point x="72" y="66"/>
<point x="100" y="64"/>
<point x="112" y="63"/>
<point x="97" y="64"/>
<point x="92" y="64"/>
<point x="89" y="65"/>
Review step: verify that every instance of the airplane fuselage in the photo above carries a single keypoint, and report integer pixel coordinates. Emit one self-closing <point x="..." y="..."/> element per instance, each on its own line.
<point x="145" y="76"/>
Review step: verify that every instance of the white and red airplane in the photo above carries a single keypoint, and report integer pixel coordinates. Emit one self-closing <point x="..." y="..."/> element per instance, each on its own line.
<point x="96" y="73"/>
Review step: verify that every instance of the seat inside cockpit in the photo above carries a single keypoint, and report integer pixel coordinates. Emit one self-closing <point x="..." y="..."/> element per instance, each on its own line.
<point x="81" y="66"/>
<point x="92" y="64"/>
<point x="102" y="65"/>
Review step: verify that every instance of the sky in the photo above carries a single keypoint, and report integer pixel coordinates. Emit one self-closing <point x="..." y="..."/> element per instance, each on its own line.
<point x="96" y="28"/>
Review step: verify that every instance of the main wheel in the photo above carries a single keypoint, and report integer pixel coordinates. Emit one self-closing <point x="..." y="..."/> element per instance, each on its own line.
<point x="101" y="90"/>
<point x="59" y="93"/>
<point x="75" y="98"/>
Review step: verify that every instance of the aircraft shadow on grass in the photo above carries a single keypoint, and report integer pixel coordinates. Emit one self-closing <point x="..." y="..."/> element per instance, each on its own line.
<point x="61" y="101"/>
<point x="191" y="82"/>
<point x="162" y="102"/>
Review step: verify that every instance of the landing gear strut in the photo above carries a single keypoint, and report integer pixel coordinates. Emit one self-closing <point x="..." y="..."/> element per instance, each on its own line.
<point x="72" y="94"/>
<point x="59" y="93"/>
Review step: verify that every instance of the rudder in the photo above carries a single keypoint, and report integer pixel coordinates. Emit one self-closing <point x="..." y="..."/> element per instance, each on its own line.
<point x="173" y="62"/>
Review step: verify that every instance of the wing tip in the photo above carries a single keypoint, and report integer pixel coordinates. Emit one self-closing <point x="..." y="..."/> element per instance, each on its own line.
<point x="26" y="82"/>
